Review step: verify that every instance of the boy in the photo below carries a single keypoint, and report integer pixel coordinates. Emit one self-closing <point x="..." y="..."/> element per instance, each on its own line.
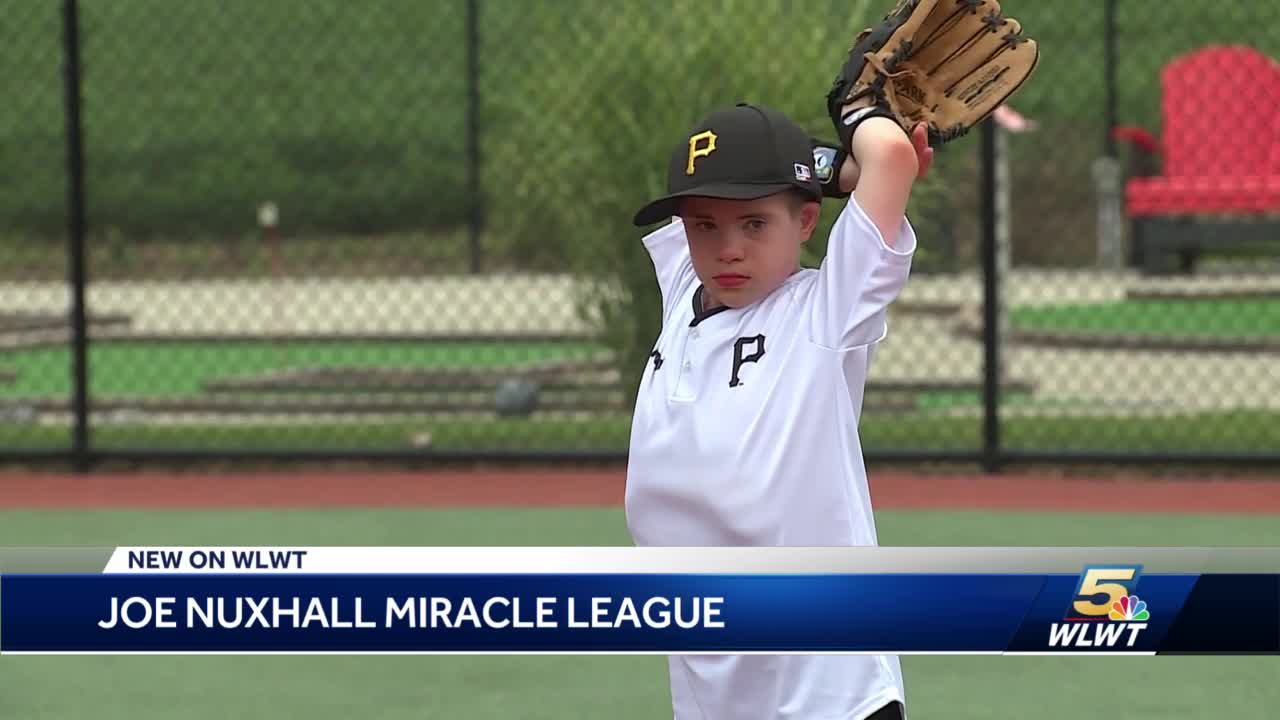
<point x="745" y="429"/>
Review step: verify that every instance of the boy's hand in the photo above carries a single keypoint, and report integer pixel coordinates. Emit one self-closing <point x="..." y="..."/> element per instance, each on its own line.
<point x="924" y="153"/>
<point x="850" y="171"/>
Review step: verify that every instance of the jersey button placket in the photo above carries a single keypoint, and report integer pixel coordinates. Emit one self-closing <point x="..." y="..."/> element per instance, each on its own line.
<point x="685" y="387"/>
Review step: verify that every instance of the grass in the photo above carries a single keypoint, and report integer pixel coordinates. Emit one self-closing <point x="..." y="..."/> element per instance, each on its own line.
<point x="180" y="369"/>
<point x="624" y="688"/>
<point x="1209" y="318"/>
<point x="1234" y="432"/>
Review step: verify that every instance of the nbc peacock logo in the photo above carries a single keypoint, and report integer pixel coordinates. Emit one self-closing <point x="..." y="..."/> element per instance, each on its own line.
<point x="1104" y="609"/>
<point x="1129" y="607"/>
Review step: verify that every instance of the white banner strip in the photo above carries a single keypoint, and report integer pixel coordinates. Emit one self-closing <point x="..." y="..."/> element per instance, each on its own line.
<point x="527" y="652"/>
<point x="708" y="560"/>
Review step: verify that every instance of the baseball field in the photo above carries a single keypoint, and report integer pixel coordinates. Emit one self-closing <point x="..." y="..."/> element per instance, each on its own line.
<point x="360" y="325"/>
<point x="580" y="507"/>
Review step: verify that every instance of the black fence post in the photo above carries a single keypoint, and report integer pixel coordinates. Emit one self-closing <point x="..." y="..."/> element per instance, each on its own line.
<point x="473" y="130"/>
<point x="990" y="305"/>
<point x="1110" y="72"/>
<point x="75" y="239"/>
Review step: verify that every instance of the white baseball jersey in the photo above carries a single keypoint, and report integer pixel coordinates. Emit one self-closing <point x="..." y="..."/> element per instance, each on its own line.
<point x="746" y="433"/>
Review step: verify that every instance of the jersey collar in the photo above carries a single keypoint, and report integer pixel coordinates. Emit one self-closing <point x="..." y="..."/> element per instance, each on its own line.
<point x="700" y="314"/>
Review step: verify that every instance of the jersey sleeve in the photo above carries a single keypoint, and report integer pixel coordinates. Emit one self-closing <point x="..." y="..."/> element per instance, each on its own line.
<point x="857" y="281"/>
<point x="669" y="250"/>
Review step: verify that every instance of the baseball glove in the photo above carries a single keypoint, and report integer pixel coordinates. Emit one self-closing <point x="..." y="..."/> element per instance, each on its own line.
<point x="947" y="63"/>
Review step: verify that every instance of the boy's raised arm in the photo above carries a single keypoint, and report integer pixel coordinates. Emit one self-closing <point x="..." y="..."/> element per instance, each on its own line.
<point x="887" y="163"/>
<point x="946" y="63"/>
<point x="871" y="244"/>
<point x="668" y="249"/>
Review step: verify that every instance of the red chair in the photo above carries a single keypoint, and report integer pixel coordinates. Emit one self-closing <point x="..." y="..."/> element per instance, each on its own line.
<point x="1218" y="181"/>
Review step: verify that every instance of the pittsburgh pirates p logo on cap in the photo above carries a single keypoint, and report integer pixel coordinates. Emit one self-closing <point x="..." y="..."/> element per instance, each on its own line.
<point x="746" y="152"/>
<point x="697" y="150"/>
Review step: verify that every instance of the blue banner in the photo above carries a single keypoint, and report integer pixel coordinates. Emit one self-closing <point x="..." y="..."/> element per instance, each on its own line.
<point x="1108" y="609"/>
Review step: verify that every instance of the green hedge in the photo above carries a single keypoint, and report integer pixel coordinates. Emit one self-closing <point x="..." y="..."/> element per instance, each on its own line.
<point x="352" y="116"/>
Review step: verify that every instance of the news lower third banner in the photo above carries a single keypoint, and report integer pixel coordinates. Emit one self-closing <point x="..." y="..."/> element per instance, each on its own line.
<point x="565" y="600"/>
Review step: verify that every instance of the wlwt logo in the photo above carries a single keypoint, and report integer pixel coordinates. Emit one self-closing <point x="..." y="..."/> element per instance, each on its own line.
<point x="1105" y="612"/>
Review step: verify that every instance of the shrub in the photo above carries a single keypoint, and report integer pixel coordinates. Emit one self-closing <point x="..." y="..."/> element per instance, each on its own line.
<point x="580" y="183"/>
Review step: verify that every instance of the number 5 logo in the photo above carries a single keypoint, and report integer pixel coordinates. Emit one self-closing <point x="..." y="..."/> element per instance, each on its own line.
<point x="1100" y="586"/>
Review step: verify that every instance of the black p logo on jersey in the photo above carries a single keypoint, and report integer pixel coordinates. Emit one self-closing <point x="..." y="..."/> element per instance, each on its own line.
<point x="756" y="343"/>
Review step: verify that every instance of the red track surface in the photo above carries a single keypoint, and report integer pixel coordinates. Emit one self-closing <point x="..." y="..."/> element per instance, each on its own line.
<point x="891" y="489"/>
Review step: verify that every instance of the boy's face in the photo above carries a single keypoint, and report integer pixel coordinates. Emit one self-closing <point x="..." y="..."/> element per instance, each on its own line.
<point x="742" y="250"/>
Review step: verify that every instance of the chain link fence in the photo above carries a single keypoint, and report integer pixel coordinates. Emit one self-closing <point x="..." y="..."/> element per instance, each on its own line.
<point x="399" y="228"/>
<point x="34" y="352"/>
<point x="1143" y="313"/>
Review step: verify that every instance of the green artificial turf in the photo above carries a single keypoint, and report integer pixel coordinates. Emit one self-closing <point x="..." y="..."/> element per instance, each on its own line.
<point x="180" y="369"/>
<point x="1172" y="318"/>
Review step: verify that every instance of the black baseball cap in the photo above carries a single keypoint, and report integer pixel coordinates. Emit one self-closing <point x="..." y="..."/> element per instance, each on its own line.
<point x="739" y="153"/>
